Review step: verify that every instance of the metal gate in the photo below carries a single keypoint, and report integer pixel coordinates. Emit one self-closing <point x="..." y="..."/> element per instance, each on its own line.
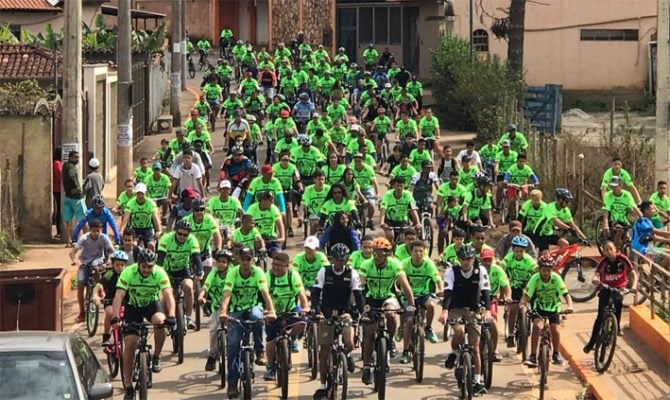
<point x="139" y="90"/>
<point x="542" y="106"/>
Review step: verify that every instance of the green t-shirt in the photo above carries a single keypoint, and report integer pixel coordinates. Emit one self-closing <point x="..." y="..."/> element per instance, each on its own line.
<point x="619" y="206"/>
<point x="353" y="146"/>
<point x="313" y="199"/>
<point x="284" y="175"/>
<point x="329" y="208"/>
<point x="177" y="255"/>
<point x="364" y="177"/>
<point x="662" y="204"/>
<point x="445" y="190"/>
<point x="370" y="55"/>
<point x="467" y="178"/>
<point x="546" y="296"/>
<point x="141" y="214"/>
<point x="624" y="175"/>
<point x="248" y="239"/>
<point x="476" y="203"/>
<point x="535" y="217"/>
<point x="518" y="271"/>
<point x="551" y="212"/>
<point x="397" y="209"/>
<point x="449" y="254"/>
<point x="321" y="143"/>
<point x="498" y="279"/>
<point x="333" y="175"/>
<point x="402" y="252"/>
<point x="214" y="285"/>
<point x="488" y="152"/>
<point x="140" y="175"/>
<point x="405" y="173"/>
<point x="337" y="134"/>
<point x="205" y="137"/>
<point x="336" y="112"/>
<point x="520" y="176"/>
<point x="266" y="220"/>
<point x="306" y="161"/>
<point x="284" y="290"/>
<point x="417" y="158"/>
<point x="212" y="92"/>
<point x="203" y="230"/>
<point x="379" y="281"/>
<point x="313" y="125"/>
<point x="158" y="189"/>
<point x="309" y="270"/>
<point x="230" y="106"/>
<point x="421" y="277"/>
<point x="283" y="145"/>
<point x="224" y="211"/>
<point x="142" y="291"/>
<point x="244" y="291"/>
<point x="505" y="161"/>
<point x="403" y="128"/>
<point x="382" y="124"/>
<point x="248" y="85"/>
<point x="356" y="259"/>
<point x="258" y="185"/>
<point x="428" y="127"/>
<point x="123" y="199"/>
<point x="518" y="144"/>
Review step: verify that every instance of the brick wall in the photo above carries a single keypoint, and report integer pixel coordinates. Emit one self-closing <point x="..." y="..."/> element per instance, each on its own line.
<point x="284" y="21"/>
<point x="198" y="15"/>
<point x="315" y="18"/>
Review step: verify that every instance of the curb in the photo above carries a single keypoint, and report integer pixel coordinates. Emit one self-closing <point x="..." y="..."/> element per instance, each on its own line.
<point x="652" y="332"/>
<point x="586" y="374"/>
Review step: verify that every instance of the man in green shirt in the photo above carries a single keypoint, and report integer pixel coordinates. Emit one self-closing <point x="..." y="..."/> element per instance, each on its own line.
<point x="158" y="184"/>
<point x="404" y="170"/>
<point x="624" y="176"/>
<point x="309" y="261"/>
<point x="559" y="219"/>
<point x="225" y="208"/>
<point x="406" y="126"/>
<point x="365" y="176"/>
<point x="397" y="206"/>
<point x="269" y="221"/>
<point x="420" y="154"/>
<point x="516" y="138"/>
<point x="247" y="235"/>
<point x="205" y="228"/>
<point x="429" y="126"/>
<point x="142" y="215"/>
<point x="662" y="202"/>
<point x="370" y="56"/>
<point x="617" y="204"/>
<point x="500" y="289"/>
<point x="312" y="200"/>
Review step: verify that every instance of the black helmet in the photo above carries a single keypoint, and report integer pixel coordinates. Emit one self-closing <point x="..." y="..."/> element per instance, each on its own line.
<point x="563" y="194"/>
<point x="466" y="251"/>
<point x="223" y="253"/>
<point x="146" y="256"/>
<point x="339" y="252"/>
<point x="98" y="201"/>
<point x="183" y="224"/>
<point x="245" y="252"/>
<point x="482" y="179"/>
<point x="198" y="203"/>
<point x="237" y="150"/>
<point x="253" y="170"/>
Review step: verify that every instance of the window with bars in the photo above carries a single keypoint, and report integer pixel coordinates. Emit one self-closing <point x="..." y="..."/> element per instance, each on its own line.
<point x="480" y="40"/>
<point x="609" y="35"/>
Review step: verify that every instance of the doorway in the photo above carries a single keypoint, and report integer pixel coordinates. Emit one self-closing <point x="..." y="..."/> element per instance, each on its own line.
<point x="347" y="31"/>
<point x="410" y="40"/>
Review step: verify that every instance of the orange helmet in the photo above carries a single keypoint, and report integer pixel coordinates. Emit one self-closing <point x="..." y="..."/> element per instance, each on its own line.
<point x="382" y="243"/>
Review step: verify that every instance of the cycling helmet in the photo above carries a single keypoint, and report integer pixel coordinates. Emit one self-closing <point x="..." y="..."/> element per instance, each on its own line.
<point x="466" y="251"/>
<point x="304" y="140"/>
<point x="240" y="42"/>
<point x="511" y="127"/>
<point x="303" y="95"/>
<point x="98" y="201"/>
<point x="340" y="49"/>
<point x="563" y="194"/>
<point x="388" y="85"/>
<point x="382" y="243"/>
<point x="482" y="179"/>
<point x="198" y="203"/>
<point x="120" y="255"/>
<point x="223" y="253"/>
<point x="146" y="256"/>
<point x="339" y="252"/>
<point x="520" y="241"/>
<point x="253" y="170"/>
<point x="237" y="150"/>
<point x="371" y="45"/>
<point x="353" y="65"/>
<point x="245" y="252"/>
<point x="355" y="128"/>
<point x="546" y="261"/>
<point x="183" y="224"/>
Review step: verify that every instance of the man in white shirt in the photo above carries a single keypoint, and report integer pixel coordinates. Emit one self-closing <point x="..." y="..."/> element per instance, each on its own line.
<point x="470" y="151"/>
<point x="188" y="175"/>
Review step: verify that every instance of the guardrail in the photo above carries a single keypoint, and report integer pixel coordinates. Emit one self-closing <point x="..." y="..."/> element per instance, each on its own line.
<point x="653" y="283"/>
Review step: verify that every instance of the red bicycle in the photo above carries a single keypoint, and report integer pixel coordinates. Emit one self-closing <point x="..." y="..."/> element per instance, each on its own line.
<point x="576" y="271"/>
<point x="115" y="351"/>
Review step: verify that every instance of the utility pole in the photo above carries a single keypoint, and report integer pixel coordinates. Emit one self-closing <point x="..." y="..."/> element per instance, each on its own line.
<point x="175" y="78"/>
<point x="662" y="169"/>
<point x="472" y="27"/>
<point x="183" y="45"/>
<point x="124" y="119"/>
<point x="72" y="82"/>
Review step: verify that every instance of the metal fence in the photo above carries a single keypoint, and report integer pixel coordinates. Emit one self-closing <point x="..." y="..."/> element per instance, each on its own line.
<point x="653" y="283"/>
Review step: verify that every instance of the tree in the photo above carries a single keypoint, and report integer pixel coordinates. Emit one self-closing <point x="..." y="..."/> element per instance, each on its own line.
<point x="517" y="16"/>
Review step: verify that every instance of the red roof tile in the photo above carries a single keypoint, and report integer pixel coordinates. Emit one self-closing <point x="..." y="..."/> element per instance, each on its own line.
<point x="25" y="61"/>
<point x="27" y="5"/>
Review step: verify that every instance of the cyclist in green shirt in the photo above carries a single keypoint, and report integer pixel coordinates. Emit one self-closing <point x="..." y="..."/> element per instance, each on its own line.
<point x="404" y="170"/>
<point x="466" y="175"/>
<point x="164" y="154"/>
<point x="142" y="216"/>
<point x="248" y="85"/>
<point x="500" y="289"/>
<point x="419" y="155"/>
<point x="543" y="293"/>
<point x="240" y="299"/>
<point x="358" y="257"/>
<point x="382" y="125"/>
<point x="336" y="201"/>
<point x="308" y="262"/>
<point x="205" y="228"/>
<point x="477" y="208"/>
<point x="158" y="184"/>
<point x="378" y="276"/>
<point x="203" y="46"/>
<point x="247" y="235"/>
<point x="312" y="200"/>
<point x="289" y="178"/>
<point x="429" y="126"/>
<point x="533" y="215"/>
<point x="618" y="170"/>
<point x="397" y="206"/>
<point x="406" y="126"/>
<point x="617" y="204"/>
<point x="335" y="110"/>
<point x="333" y="170"/>
<point x="137" y="290"/>
<point x="370" y="56"/>
<point x="143" y="171"/>
<point x="426" y="283"/>
<point x="225" y="208"/>
<point x="269" y="221"/>
<point x="516" y="138"/>
<point x="307" y="159"/>
<point x="449" y="255"/>
<point x="559" y="219"/>
<point x="403" y="250"/>
<point x="488" y="153"/>
<point x="203" y="109"/>
<point x="265" y="182"/>
<point x="125" y="196"/>
<point x="519" y="176"/>
<point x="284" y="124"/>
<point x="231" y="104"/>
<point x="364" y="175"/>
<point x="662" y="202"/>
<point x="314" y="124"/>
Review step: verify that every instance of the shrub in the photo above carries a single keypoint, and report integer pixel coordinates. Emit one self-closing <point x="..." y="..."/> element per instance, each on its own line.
<point x="473" y="93"/>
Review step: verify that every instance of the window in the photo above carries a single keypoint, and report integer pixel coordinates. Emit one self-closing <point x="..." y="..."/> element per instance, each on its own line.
<point x="480" y="40"/>
<point x="365" y="24"/>
<point x="395" y="36"/>
<point x="625" y="35"/>
<point x="16" y="30"/>
<point x="381" y="25"/>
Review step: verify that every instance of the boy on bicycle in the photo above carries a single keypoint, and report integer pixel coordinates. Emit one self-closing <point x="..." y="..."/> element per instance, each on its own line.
<point x="500" y="289"/>
<point x="544" y="291"/>
<point x="107" y="291"/>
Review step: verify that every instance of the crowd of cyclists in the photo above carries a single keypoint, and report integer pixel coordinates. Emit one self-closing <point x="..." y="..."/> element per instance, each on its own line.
<point x="333" y="129"/>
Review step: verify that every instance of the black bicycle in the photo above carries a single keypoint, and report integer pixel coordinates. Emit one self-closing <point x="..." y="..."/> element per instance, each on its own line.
<point x="486" y="354"/>
<point x="418" y="344"/>
<point x="381" y="358"/>
<point x="521" y="330"/>
<point x="312" y="347"/>
<point x="141" y="374"/>
<point x="283" y="352"/>
<point x="92" y="309"/>
<point x="179" y="331"/>
<point x="337" y="379"/>
<point x="465" y="364"/>
<point x="543" y="357"/>
<point x="247" y="373"/>
<point x="425" y="216"/>
<point x="606" y="337"/>
<point x="191" y="66"/>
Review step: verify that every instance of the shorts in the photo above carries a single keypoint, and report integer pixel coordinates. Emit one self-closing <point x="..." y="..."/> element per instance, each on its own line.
<point x="83" y="274"/>
<point x="369" y="194"/>
<point x="272" y="329"/>
<point x="145" y="235"/>
<point x="107" y="302"/>
<point x="160" y="202"/>
<point x="327" y="332"/>
<point x="271" y="245"/>
<point x="494" y="309"/>
<point x="419" y="301"/>
<point x="139" y="314"/>
<point x="517" y="293"/>
<point x="390" y="302"/>
<point x="553" y="316"/>
<point x="544" y="241"/>
<point x="73" y="209"/>
<point x="179" y="275"/>
<point x="471" y="318"/>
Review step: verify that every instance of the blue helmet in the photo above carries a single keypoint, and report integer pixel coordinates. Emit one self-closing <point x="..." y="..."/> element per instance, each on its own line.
<point x="520" y="241"/>
<point x="120" y="255"/>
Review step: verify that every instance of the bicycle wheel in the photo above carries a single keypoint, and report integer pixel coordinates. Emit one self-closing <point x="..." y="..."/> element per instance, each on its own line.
<point x="577" y="277"/>
<point x="313" y="351"/>
<point x="222" y="357"/>
<point x="601" y="238"/>
<point x="112" y="363"/>
<point x="467" y="388"/>
<point x="418" y="354"/>
<point x="282" y="367"/>
<point x="486" y="356"/>
<point x="341" y="378"/>
<point x="522" y="336"/>
<point x="92" y="312"/>
<point x="246" y="375"/>
<point x="197" y="307"/>
<point x="143" y="381"/>
<point x="543" y="362"/>
<point x="504" y="208"/>
<point x="191" y="70"/>
<point x="120" y="357"/>
<point x="427" y="234"/>
<point x="606" y="343"/>
<point x="380" y="368"/>
<point x="363" y="217"/>
<point x="178" y="338"/>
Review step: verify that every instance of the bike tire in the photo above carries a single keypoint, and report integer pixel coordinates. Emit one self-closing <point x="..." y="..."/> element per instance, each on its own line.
<point x="543" y="363"/>
<point x="522" y="333"/>
<point x="191" y="70"/>
<point x="178" y="339"/>
<point x="427" y="233"/>
<point x="606" y="343"/>
<point x="92" y="313"/>
<point x="341" y="381"/>
<point x="113" y="364"/>
<point x="121" y="368"/>
<point x="486" y="355"/>
<point x="313" y="352"/>
<point x="283" y="367"/>
<point x="363" y="217"/>
<point x="143" y="381"/>
<point x="246" y="375"/>
<point x="504" y="209"/>
<point x="598" y="229"/>
<point x="419" y="354"/>
<point x="577" y="277"/>
<point x="222" y="357"/>
<point x="468" y="377"/>
<point x="197" y="307"/>
<point x="380" y="368"/>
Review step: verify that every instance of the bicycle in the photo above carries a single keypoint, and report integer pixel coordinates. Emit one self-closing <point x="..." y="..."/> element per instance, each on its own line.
<point x="197" y="307"/>
<point x="512" y="192"/>
<point x="247" y="374"/>
<point x="616" y="230"/>
<point x="521" y="330"/>
<point x="115" y="352"/>
<point x="191" y="66"/>
<point x="337" y="379"/>
<point x="92" y="309"/>
<point x="464" y="369"/>
<point x="179" y="331"/>
<point x="418" y="345"/>
<point x="425" y="217"/>
<point x="486" y="354"/>
<point x="142" y="373"/>
<point x="283" y="352"/>
<point x="203" y="63"/>
<point x="261" y="259"/>
<point x="312" y="347"/>
<point x="362" y="211"/>
<point x="381" y="355"/>
<point x="606" y="337"/>
<point x="576" y="272"/>
<point x="543" y="357"/>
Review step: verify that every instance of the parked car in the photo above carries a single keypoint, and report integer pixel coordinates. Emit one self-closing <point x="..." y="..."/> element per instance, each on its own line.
<point x="50" y="365"/>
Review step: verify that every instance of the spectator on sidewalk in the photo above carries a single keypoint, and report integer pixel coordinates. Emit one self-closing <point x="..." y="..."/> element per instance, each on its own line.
<point x="93" y="183"/>
<point x="73" y="204"/>
<point x="57" y="172"/>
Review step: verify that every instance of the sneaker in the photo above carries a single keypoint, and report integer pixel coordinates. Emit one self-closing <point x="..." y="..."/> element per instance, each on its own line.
<point x="366" y="376"/>
<point x="290" y="233"/>
<point x="393" y="350"/>
<point x="557" y="358"/>
<point x="129" y="394"/>
<point x="270" y="374"/>
<point x="431" y="336"/>
<point x="320" y="394"/>
<point x="531" y="361"/>
<point x="211" y="364"/>
<point x="371" y="225"/>
<point x="156" y="364"/>
<point x="107" y="340"/>
<point x="450" y="361"/>
<point x="295" y="346"/>
<point x="587" y="349"/>
<point x="232" y="391"/>
<point x="510" y="341"/>
<point x="351" y="365"/>
<point x="497" y="357"/>
<point x="479" y="389"/>
<point x="190" y="324"/>
<point x="260" y="358"/>
<point x="404" y="358"/>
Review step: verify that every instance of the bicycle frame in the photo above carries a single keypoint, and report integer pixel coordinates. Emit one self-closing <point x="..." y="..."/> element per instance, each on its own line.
<point x="566" y="253"/>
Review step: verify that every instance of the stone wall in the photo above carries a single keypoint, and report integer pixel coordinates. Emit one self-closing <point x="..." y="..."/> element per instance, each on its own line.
<point x="315" y="18"/>
<point x="285" y="21"/>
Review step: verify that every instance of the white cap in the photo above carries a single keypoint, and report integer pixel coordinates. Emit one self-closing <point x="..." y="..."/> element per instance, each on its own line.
<point x="140" y="188"/>
<point x="312" y="242"/>
<point x="93" y="163"/>
<point x="225" y="184"/>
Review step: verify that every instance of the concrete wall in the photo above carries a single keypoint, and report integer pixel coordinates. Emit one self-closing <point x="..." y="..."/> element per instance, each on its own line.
<point x="430" y="33"/>
<point x="26" y="143"/>
<point x="100" y="85"/>
<point x="199" y="16"/>
<point x="262" y="22"/>
<point x="553" y="51"/>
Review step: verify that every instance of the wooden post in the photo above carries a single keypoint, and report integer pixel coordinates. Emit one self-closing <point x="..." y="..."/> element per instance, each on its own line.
<point x="554" y="162"/>
<point x="565" y="164"/>
<point x="581" y="191"/>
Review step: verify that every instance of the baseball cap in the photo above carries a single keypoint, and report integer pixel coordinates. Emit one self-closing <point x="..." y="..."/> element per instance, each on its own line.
<point x="312" y="242"/>
<point x="225" y="184"/>
<point x="93" y="163"/>
<point x="358" y="155"/>
<point x="140" y="188"/>
<point x="486" y="254"/>
<point x="283" y="113"/>
<point x="179" y="132"/>
<point x="266" y="169"/>
<point x="505" y="143"/>
<point x="615" y="181"/>
<point x="156" y="165"/>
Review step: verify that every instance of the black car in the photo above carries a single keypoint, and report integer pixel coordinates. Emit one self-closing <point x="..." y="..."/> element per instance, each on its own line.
<point x="50" y="365"/>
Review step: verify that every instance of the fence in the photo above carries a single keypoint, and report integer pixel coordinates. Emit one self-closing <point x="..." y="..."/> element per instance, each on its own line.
<point x="654" y="284"/>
